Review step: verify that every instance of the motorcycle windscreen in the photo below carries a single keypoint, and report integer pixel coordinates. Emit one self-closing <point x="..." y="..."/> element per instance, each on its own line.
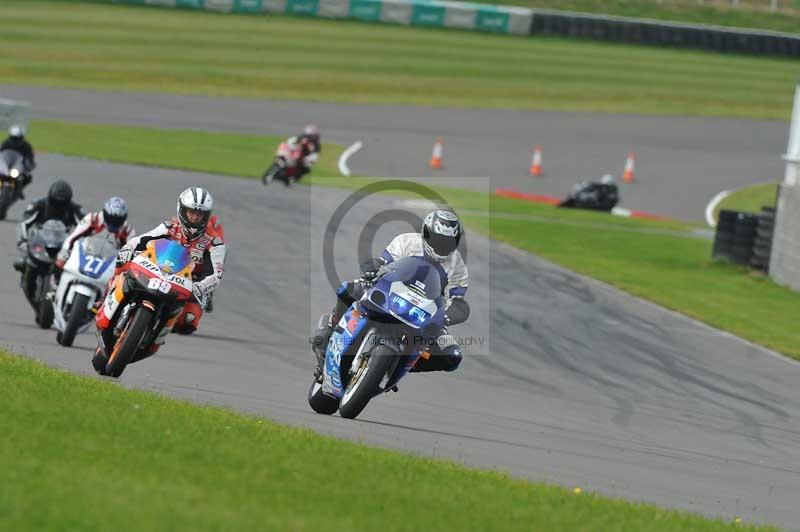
<point x="9" y="159"/>
<point x="97" y="254"/>
<point x="53" y="233"/>
<point x="100" y="245"/>
<point x="171" y="257"/>
<point x="417" y="272"/>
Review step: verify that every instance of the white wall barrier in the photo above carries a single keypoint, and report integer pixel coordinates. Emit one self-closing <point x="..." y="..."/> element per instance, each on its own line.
<point x="428" y="13"/>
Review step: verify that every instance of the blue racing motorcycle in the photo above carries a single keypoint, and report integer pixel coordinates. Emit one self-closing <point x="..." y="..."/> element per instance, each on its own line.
<point x="380" y="337"/>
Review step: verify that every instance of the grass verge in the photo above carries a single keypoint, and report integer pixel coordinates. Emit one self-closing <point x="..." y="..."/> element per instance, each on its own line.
<point x="749" y="199"/>
<point x="656" y="260"/>
<point x="79" y="453"/>
<point x="95" y="46"/>
<point x="219" y="153"/>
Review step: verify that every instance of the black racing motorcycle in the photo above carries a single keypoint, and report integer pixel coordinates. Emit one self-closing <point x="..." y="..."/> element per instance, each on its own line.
<point x="44" y="244"/>
<point x="592" y="196"/>
<point x="12" y="177"/>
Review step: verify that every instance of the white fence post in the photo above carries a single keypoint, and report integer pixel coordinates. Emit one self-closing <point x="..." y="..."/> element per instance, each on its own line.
<point x="792" y="155"/>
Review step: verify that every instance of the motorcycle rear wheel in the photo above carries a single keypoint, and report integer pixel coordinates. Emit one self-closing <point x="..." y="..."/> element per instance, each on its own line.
<point x="365" y="383"/>
<point x="76" y="314"/>
<point x="128" y="342"/>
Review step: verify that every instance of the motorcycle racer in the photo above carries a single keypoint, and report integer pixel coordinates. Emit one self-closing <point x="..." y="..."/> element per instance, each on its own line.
<point x="57" y="205"/>
<point x="438" y="242"/>
<point x="309" y="142"/>
<point x="200" y="232"/>
<point x="16" y="141"/>
<point x="113" y="218"/>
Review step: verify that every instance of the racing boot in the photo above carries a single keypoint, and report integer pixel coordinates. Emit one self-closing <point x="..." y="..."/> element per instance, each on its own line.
<point x="319" y="342"/>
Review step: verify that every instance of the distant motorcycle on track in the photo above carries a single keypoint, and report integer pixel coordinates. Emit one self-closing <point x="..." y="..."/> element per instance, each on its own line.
<point x="594" y="196"/>
<point x="380" y="338"/>
<point x="83" y="282"/>
<point x="285" y="166"/>
<point x="12" y="173"/>
<point x="37" y="277"/>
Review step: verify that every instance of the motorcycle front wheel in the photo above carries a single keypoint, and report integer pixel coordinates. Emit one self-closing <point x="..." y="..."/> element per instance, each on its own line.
<point x="76" y="314"/>
<point x="45" y="314"/>
<point x="319" y="402"/>
<point x="365" y="381"/>
<point x="128" y="342"/>
<point x="270" y="174"/>
<point x="6" y="199"/>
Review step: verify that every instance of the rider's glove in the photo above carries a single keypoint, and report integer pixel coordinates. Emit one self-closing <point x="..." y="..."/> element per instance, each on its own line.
<point x="63" y="257"/>
<point x="124" y="256"/>
<point x="369" y="270"/>
<point x="457" y="312"/>
<point x="199" y="294"/>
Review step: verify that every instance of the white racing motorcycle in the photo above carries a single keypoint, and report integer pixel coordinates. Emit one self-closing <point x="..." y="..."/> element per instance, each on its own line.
<point x="82" y="283"/>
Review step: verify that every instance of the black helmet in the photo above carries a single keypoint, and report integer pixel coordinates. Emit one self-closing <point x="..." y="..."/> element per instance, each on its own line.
<point x="60" y="194"/>
<point x="441" y="234"/>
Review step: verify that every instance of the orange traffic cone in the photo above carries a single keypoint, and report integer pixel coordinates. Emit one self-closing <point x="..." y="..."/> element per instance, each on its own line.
<point x="627" y="175"/>
<point x="536" y="162"/>
<point x="436" y="157"/>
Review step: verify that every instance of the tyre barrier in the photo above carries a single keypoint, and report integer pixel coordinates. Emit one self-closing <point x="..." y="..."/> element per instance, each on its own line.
<point x="664" y="33"/>
<point x="762" y="243"/>
<point x="744" y="238"/>
<point x="734" y="237"/>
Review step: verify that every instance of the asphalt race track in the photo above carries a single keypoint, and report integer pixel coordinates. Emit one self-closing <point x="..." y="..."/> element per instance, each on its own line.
<point x="582" y="385"/>
<point x="682" y="162"/>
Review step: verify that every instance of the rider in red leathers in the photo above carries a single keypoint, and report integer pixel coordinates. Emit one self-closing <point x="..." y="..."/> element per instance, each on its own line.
<point x="310" y="146"/>
<point x="201" y="233"/>
<point x="113" y="218"/>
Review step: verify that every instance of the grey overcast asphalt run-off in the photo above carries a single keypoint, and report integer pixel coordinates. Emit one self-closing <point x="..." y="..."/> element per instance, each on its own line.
<point x="582" y="385"/>
<point x="682" y="161"/>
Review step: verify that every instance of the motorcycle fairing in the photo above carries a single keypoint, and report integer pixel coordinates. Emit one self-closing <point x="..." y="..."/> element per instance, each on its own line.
<point x="340" y="344"/>
<point x="167" y="260"/>
<point x="92" y="265"/>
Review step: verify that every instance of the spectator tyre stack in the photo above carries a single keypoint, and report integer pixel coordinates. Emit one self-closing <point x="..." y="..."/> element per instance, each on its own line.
<point x="762" y="244"/>
<point x="735" y="236"/>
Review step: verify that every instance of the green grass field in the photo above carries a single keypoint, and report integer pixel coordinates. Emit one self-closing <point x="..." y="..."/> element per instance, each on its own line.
<point x="656" y="260"/>
<point x="150" y="49"/>
<point x="82" y="454"/>
<point x="749" y="199"/>
<point x="219" y="153"/>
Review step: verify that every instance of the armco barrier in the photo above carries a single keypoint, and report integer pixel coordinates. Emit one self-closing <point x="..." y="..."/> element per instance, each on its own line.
<point x="429" y="13"/>
<point x="514" y="20"/>
<point x="663" y="33"/>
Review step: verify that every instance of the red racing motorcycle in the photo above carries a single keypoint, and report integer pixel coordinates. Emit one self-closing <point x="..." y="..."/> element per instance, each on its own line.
<point x="286" y="166"/>
<point x="148" y="297"/>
